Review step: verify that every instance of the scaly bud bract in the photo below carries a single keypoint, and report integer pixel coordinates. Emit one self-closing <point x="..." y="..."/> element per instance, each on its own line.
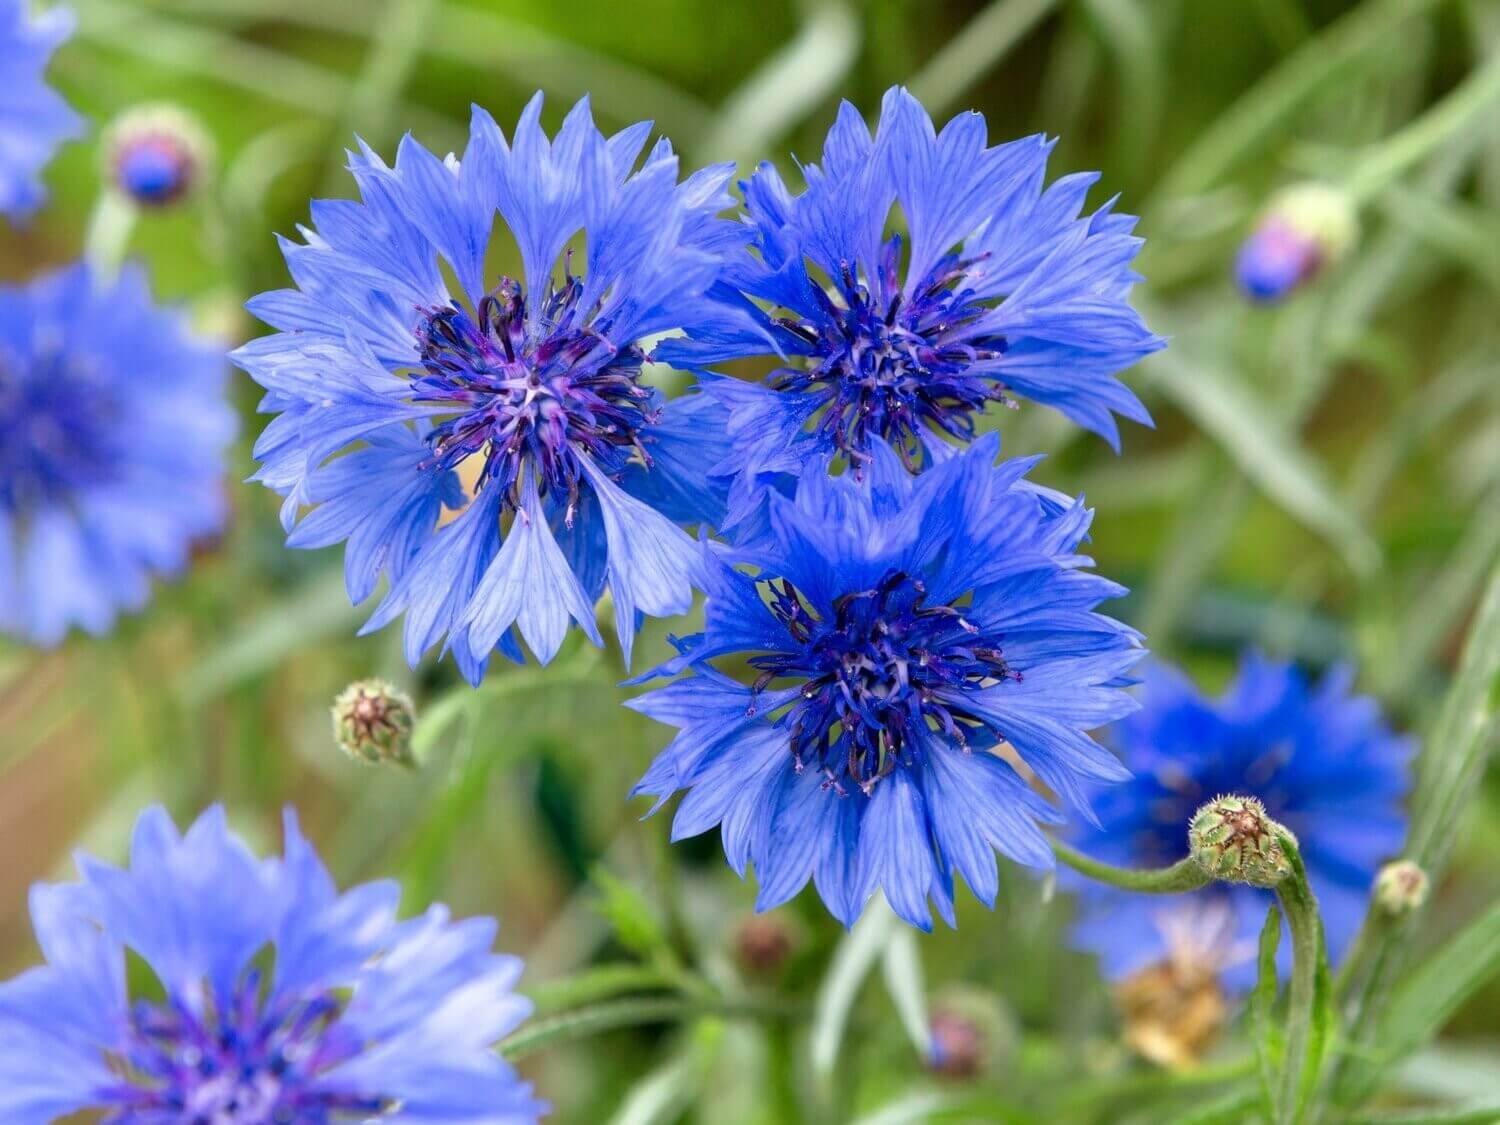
<point x="1234" y="840"/>
<point x="372" y="722"/>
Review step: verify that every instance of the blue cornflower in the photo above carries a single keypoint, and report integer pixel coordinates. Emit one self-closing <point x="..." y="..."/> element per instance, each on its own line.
<point x="34" y="119"/>
<point x="260" y="995"/>
<point x="503" y="461"/>
<point x="113" y="425"/>
<point x="1003" y="289"/>
<point x="1322" y="761"/>
<point x="899" y="630"/>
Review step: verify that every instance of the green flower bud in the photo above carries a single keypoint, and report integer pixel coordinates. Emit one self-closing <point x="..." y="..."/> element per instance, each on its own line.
<point x="1400" y="887"/>
<point x="372" y="722"/>
<point x="1234" y="840"/>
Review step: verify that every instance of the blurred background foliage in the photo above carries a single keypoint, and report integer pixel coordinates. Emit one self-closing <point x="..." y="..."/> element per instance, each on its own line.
<point x="1323" y="481"/>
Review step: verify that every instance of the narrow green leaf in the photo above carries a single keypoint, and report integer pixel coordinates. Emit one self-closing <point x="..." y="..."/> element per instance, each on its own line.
<point x="631" y="917"/>
<point x="1441" y="984"/>
<point x="902" y="966"/>
<point x="789" y="85"/>
<point x="1262" y="1003"/>
<point x="601" y="982"/>
<point x="1262" y="451"/>
<point x="850" y="965"/>
<point x="970" y="54"/>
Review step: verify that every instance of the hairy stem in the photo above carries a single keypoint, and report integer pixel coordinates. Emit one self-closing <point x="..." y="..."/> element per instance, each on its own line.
<point x="1184" y="875"/>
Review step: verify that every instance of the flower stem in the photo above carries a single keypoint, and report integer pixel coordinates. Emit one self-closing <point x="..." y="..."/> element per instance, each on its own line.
<point x="632" y="1012"/>
<point x="1308" y="999"/>
<point x="1467" y="103"/>
<point x="108" y="236"/>
<point x="1184" y="875"/>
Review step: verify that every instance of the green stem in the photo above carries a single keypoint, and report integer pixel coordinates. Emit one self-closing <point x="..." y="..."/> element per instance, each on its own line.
<point x="1467" y="103"/>
<point x="634" y="1012"/>
<point x="1306" y="1027"/>
<point x="1184" y="875"/>
<point x="108" y="235"/>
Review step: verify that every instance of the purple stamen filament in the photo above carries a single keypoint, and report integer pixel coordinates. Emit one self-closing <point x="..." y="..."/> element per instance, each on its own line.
<point x="871" y="677"/>
<point x="894" y="367"/>
<point x="248" y="1061"/>
<point x="543" y="390"/>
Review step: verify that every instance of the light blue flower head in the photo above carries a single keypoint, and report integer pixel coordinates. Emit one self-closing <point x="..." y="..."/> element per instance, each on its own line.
<point x="263" y="996"/>
<point x="899" y="630"/>
<point x="34" y="119"/>
<point x="113" y="427"/>
<point x="1001" y="288"/>
<point x="489" y="443"/>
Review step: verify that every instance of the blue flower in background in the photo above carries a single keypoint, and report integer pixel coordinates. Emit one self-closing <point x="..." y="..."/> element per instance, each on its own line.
<point x="270" y="996"/>
<point x="1002" y="288"/>
<point x="900" y="629"/>
<point x="1322" y="761"/>
<point x="34" y="120"/>
<point x="502" y="459"/>
<point x="113" y="426"/>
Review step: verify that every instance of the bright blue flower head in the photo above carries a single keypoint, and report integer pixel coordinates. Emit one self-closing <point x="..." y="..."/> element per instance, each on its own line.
<point x="34" y="119"/>
<point x="1322" y="761"/>
<point x="113" y="425"/>
<point x="272" y="997"/>
<point x="501" y="458"/>
<point x="899" y="629"/>
<point x="1000" y="288"/>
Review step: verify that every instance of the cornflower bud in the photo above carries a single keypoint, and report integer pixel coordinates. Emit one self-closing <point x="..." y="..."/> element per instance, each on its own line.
<point x="1400" y="887"/>
<point x="157" y="155"/>
<point x="1304" y="228"/>
<point x="372" y="722"/>
<point x="1233" y="839"/>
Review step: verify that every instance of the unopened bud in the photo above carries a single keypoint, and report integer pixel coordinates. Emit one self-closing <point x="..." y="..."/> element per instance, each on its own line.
<point x="157" y="155"/>
<point x="762" y="943"/>
<point x="1400" y="887"/>
<point x="958" y="1046"/>
<point x="1304" y="228"/>
<point x="1234" y="840"/>
<point x="372" y="722"/>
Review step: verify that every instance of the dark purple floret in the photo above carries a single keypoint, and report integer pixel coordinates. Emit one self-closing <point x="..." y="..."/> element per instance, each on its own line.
<point x="55" y="433"/>
<point x="534" y="389"/>
<point x="872" y="677"/>
<point x="255" y="1062"/>
<point x="889" y="366"/>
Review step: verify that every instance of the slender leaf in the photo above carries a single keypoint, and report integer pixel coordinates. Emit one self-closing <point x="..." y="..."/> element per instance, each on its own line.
<point x="852" y="961"/>
<point x="902" y="965"/>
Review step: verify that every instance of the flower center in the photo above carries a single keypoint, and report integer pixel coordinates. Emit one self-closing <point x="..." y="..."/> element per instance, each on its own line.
<point x="252" y="1063"/>
<point x="890" y="366"/>
<point x="541" y="389"/>
<point x="56" y="433"/>
<point x="872" y="677"/>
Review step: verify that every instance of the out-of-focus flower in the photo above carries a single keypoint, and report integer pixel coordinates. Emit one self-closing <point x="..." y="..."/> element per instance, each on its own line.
<point x="275" y="998"/>
<point x="372" y="722"/>
<point x="762" y="943"/>
<point x="113" y="426"/>
<point x="34" y="119"/>
<point x="157" y="155"/>
<point x="1304" y="228"/>
<point x="1400" y="887"/>
<point x="1001" y="288"/>
<point x="503" y="462"/>
<point x="901" y="628"/>
<point x="1320" y="760"/>
<point x="1174" y="1009"/>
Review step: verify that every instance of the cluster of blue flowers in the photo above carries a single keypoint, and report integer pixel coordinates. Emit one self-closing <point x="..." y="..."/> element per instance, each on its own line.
<point x="902" y="642"/>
